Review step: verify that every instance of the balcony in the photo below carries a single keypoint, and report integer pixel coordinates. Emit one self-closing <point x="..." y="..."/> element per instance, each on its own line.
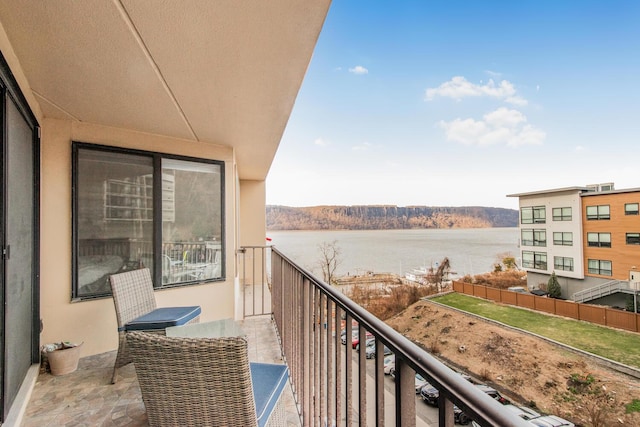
<point x="294" y="318"/>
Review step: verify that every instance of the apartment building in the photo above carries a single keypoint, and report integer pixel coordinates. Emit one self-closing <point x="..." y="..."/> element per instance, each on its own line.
<point x="589" y="236"/>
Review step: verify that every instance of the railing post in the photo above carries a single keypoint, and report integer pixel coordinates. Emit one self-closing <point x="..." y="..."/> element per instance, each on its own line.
<point x="362" y="376"/>
<point x="445" y="412"/>
<point x="379" y="384"/>
<point x="405" y="394"/>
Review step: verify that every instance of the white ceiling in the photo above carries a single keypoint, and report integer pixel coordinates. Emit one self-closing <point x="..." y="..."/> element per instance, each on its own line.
<point x="219" y="71"/>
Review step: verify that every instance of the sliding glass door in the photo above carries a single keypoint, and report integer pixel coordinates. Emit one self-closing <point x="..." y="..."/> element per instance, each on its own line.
<point x="19" y="230"/>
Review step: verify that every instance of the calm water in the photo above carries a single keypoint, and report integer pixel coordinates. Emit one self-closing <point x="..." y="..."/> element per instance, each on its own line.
<point x="470" y="251"/>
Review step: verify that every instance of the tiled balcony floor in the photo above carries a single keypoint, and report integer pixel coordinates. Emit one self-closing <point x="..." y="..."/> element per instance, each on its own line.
<point x="87" y="397"/>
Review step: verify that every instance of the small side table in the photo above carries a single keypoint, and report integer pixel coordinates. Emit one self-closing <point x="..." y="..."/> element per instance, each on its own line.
<point x="214" y="329"/>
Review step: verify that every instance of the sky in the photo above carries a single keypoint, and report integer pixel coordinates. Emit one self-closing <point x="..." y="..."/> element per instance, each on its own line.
<point x="460" y="103"/>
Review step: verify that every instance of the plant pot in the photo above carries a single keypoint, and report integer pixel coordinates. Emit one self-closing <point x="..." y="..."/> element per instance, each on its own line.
<point x="64" y="361"/>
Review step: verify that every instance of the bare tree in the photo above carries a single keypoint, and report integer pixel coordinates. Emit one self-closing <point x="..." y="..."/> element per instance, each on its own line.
<point x="329" y="260"/>
<point x="440" y="274"/>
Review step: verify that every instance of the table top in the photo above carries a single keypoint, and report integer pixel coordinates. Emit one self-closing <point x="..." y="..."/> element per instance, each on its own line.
<point x="214" y="329"/>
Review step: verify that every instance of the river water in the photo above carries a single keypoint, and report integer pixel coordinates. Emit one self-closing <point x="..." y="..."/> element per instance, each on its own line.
<point x="470" y="251"/>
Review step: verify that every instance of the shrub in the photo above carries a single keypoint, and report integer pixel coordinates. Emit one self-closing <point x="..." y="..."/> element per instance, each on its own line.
<point x="553" y="286"/>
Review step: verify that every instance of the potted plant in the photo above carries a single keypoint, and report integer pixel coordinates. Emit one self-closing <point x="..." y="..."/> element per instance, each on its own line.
<point x="61" y="358"/>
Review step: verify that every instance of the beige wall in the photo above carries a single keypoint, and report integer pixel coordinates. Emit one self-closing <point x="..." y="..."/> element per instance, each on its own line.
<point x="253" y="215"/>
<point x="93" y="322"/>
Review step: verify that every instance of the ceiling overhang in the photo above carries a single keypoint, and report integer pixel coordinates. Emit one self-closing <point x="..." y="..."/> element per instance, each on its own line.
<point x="225" y="72"/>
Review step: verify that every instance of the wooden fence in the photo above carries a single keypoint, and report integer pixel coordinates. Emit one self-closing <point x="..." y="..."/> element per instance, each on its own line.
<point x="598" y="314"/>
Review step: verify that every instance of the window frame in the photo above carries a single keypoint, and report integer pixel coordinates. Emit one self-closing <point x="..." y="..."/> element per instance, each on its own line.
<point x="563" y="263"/>
<point x="562" y="241"/>
<point x="562" y="216"/>
<point x="632" y="238"/>
<point x="636" y="211"/>
<point x="157" y="218"/>
<point x="599" y="269"/>
<point x="537" y="262"/>
<point x="598" y="215"/>
<point x="538" y="237"/>
<point x="538" y="215"/>
<point x="598" y="242"/>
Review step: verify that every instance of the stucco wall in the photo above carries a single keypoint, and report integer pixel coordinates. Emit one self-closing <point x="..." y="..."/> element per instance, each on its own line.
<point x="94" y="322"/>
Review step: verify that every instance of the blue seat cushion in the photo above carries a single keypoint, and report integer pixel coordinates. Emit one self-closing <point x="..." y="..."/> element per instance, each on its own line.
<point x="162" y="318"/>
<point x="268" y="382"/>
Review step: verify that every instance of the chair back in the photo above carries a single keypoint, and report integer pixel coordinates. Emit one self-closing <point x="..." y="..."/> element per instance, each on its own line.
<point x="194" y="381"/>
<point x="132" y="294"/>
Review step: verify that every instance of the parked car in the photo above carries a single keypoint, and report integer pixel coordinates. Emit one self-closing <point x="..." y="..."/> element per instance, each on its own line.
<point x="370" y="342"/>
<point x="461" y="418"/>
<point x="523" y="412"/>
<point x="389" y="364"/>
<point x="551" y="421"/>
<point x="420" y="383"/>
<point x="535" y="418"/>
<point x="430" y="394"/>
<point x="371" y="350"/>
<point x="355" y="342"/>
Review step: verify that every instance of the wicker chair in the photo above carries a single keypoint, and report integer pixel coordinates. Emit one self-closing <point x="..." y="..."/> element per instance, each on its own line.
<point x="206" y="382"/>
<point x="136" y="309"/>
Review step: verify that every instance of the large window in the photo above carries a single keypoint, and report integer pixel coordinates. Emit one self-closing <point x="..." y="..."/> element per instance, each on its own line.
<point x="633" y="238"/>
<point x="631" y="208"/>
<point x="134" y="209"/>
<point x="597" y="266"/>
<point x="562" y="214"/>
<point x="563" y="263"/>
<point x="533" y="215"/>
<point x="599" y="240"/>
<point x="535" y="260"/>
<point x="563" y="238"/>
<point x="534" y="237"/>
<point x="598" y="212"/>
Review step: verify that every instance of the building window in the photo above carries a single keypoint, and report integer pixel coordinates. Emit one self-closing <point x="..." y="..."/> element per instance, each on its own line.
<point x="598" y="212"/>
<point x="562" y="238"/>
<point x="535" y="260"/>
<point x="597" y="266"/>
<point x="534" y="237"/>
<point x="561" y="214"/>
<point x="563" y="263"/>
<point x="599" y="240"/>
<point x="134" y="209"/>
<point x="533" y="215"/>
<point x="633" y="238"/>
<point x="631" y="208"/>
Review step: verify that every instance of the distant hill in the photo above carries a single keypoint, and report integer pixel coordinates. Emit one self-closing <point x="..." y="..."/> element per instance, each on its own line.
<point x="387" y="217"/>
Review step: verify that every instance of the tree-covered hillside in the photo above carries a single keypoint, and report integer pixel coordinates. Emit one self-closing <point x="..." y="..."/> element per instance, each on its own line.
<point x="387" y="217"/>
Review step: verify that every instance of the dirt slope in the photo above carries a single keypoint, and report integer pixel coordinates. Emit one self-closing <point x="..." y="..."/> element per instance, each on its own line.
<point x="529" y="370"/>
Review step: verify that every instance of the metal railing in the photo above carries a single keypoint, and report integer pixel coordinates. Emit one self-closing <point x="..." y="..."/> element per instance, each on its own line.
<point x="600" y="291"/>
<point x="253" y="274"/>
<point x="331" y="381"/>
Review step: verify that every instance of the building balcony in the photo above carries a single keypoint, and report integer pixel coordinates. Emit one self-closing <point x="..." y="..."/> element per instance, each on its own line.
<point x="291" y="317"/>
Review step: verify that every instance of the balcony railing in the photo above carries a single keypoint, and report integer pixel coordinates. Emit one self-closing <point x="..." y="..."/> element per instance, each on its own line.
<point x="334" y="384"/>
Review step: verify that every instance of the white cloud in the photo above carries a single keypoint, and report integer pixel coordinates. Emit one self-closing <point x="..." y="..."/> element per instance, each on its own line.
<point x="321" y="142"/>
<point x="361" y="147"/>
<point x="493" y="74"/>
<point x="502" y="126"/>
<point x="358" y="69"/>
<point x="459" y="87"/>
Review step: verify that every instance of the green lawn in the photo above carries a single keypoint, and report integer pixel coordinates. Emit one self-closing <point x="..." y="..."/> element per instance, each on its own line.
<point x="621" y="346"/>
